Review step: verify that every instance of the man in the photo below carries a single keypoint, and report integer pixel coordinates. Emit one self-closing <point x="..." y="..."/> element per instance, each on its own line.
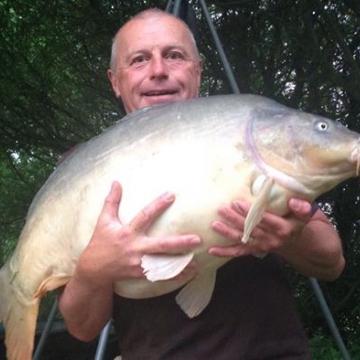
<point x="251" y="314"/>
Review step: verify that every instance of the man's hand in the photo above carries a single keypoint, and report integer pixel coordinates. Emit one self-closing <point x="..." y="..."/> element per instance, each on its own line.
<point x="114" y="253"/>
<point x="307" y="241"/>
<point x="270" y="234"/>
<point x="115" y="250"/>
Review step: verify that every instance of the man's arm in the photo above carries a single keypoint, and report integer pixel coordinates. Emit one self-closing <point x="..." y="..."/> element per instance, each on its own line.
<point x="309" y="243"/>
<point x="316" y="249"/>
<point x="113" y="254"/>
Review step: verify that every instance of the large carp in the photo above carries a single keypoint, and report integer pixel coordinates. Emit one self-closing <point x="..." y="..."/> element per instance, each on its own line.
<point x="208" y="152"/>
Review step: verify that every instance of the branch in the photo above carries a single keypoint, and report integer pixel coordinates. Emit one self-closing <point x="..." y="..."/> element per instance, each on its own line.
<point x="339" y="39"/>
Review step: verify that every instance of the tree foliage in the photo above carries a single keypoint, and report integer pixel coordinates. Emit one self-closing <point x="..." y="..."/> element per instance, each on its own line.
<point x="54" y="94"/>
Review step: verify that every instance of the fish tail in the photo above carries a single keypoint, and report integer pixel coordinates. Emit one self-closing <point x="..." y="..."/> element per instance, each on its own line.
<point x="19" y="319"/>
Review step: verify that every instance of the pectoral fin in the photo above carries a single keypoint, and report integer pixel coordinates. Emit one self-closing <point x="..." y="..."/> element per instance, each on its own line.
<point x="164" y="267"/>
<point x="196" y="294"/>
<point x="257" y="209"/>
<point x="51" y="283"/>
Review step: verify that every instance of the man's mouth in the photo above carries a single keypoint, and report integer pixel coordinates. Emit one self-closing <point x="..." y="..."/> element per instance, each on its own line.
<point x="160" y="92"/>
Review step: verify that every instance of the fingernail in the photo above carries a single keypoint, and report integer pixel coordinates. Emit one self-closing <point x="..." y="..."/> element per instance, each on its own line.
<point x="195" y="240"/>
<point x="168" y="196"/>
<point x="223" y="210"/>
<point x="215" y="225"/>
<point x="295" y="204"/>
<point x="238" y="205"/>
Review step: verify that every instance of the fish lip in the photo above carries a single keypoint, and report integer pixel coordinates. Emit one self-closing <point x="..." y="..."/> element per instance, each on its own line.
<point x="355" y="157"/>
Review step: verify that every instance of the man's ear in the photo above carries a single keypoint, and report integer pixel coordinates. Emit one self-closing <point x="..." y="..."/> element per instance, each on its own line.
<point x="114" y="82"/>
<point x="200" y="66"/>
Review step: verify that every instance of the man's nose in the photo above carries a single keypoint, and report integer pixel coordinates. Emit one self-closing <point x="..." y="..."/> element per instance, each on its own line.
<point x="158" y="68"/>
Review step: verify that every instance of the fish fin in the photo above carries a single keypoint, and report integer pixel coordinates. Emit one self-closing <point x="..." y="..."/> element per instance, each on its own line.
<point x="164" y="266"/>
<point x="20" y="323"/>
<point x="51" y="283"/>
<point x="19" y="315"/>
<point x="257" y="209"/>
<point x="20" y="330"/>
<point x="196" y="294"/>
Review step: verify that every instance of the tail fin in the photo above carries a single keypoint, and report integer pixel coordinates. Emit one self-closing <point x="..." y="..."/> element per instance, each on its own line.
<point x="19" y="317"/>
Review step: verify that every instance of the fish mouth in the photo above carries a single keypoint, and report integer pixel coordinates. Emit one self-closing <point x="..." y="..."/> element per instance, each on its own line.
<point x="355" y="157"/>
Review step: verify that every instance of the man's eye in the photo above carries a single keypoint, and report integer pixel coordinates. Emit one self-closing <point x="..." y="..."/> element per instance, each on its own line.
<point x="175" y="56"/>
<point x="138" y="60"/>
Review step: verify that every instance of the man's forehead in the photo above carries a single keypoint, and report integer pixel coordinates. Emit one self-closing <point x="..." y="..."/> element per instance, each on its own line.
<point x="148" y="45"/>
<point x="161" y="20"/>
<point x="139" y="33"/>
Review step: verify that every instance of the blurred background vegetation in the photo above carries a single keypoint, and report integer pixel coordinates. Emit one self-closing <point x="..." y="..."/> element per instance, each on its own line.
<point x="54" y="94"/>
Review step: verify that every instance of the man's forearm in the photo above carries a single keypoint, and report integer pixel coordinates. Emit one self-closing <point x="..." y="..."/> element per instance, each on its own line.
<point x="86" y="307"/>
<point x="317" y="251"/>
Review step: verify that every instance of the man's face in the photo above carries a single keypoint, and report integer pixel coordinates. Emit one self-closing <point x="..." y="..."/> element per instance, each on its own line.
<point x="156" y="62"/>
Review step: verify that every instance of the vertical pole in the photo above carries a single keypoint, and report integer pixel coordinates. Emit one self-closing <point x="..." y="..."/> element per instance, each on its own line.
<point x="101" y="348"/>
<point x="329" y="319"/>
<point x="168" y="6"/>
<point x="219" y="47"/>
<point x="176" y="7"/>
<point x="46" y="331"/>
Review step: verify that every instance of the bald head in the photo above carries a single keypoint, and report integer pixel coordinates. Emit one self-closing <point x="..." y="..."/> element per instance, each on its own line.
<point x="149" y="14"/>
<point x="154" y="59"/>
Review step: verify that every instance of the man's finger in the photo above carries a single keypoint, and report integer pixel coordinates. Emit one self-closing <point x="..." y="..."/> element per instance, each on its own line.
<point x="171" y="244"/>
<point x="151" y="212"/>
<point x="231" y="251"/>
<point x="228" y="231"/>
<point x="300" y="209"/>
<point x="112" y="201"/>
<point x="232" y="215"/>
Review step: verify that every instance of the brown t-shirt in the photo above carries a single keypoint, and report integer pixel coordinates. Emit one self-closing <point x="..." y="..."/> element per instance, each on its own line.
<point x="251" y="316"/>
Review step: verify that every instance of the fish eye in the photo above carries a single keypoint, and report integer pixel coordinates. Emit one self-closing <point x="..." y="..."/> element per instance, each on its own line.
<point x="322" y="125"/>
